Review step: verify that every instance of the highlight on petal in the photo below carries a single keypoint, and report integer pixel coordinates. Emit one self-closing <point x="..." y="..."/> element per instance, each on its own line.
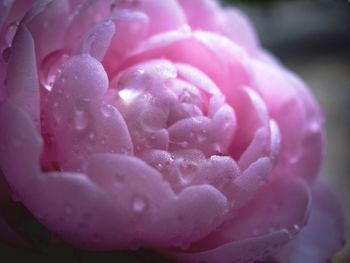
<point x="260" y="228"/>
<point x="323" y="235"/>
<point x="85" y="214"/>
<point x="98" y="39"/>
<point x="291" y="105"/>
<point x="208" y="15"/>
<point x="76" y="101"/>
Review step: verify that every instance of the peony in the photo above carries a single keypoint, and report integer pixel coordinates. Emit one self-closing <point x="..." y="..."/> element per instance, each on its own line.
<point x="133" y="124"/>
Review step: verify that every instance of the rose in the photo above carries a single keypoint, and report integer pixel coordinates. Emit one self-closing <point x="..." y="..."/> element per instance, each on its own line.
<point x="160" y="124"/>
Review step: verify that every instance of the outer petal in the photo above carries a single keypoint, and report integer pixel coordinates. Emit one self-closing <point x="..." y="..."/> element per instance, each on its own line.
<point x="76" y="102"/>
<point x="89" y="214"/>
<point x="22" y="85"/>
<point x="164" y="15"/>
<point x="275" y="214"/>
<point x="323" y="235"/>
<point x="298" y="117"/>
<point x="209" y="16"/>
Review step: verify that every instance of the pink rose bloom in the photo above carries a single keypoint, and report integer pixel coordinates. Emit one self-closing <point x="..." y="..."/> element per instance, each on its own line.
<point x="129" y="124"/>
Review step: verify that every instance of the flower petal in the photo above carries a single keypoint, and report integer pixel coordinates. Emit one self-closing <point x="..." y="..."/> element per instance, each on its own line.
<point x="86" y="214"/>
<point x="22" y="84"/>
<point x="260" y="228"/>
<point x="76" y="101"/>
<point x="98" y="39"/>
<point x="323" y="235"/>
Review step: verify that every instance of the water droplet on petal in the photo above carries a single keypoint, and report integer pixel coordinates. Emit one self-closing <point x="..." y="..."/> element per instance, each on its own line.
<point x="92" y="136"/>
<point x="128" y="95"/>
<point x="188" y="167"/>
<point x="51" y="67"/>
<point x="119" y="177"/>
<point x="107" y="110"/>
<point x="10" y="33"/>
<point x="202" y="135"/>
<point x="81" y="117"/>
<point x="158" y="166"/>
<point x="107" y="22"/>
<point x="139" y="204"/>
<point x="80" y="120"/>
<point x="6" y="53"/>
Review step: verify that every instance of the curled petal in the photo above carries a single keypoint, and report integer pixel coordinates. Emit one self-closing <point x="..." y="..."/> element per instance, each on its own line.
<point x="323" y="235"/>
<point x="22" y="85"/>
<point x="98" y="39"/>
<point x="260" y="229"/>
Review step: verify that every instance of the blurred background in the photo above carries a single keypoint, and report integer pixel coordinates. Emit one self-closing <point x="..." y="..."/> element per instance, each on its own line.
<point x="312" y="37"/>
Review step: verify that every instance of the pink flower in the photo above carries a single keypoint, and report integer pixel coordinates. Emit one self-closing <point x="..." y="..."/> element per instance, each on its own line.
<point x="164" y="125"/>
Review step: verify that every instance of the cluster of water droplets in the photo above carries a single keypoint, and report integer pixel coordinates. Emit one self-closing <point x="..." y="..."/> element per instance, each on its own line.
<point x="150" y="107"/>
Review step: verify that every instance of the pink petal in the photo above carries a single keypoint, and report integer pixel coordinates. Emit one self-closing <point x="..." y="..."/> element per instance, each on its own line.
<point x="90" y="215"/>
<point x="76" y="101"/>
<point x="98" y="39"/>
<point x="209" y="16"/>
<point x="131" y="28"/>
<point x="251" y="179"/>
<point x="237" y="27"/>
<point x="324" y="233"/>
<point x="22" y="85"/>
<point x="149" y="202"/>
<point x="164" y="15"/>
<point x="260" y="229"/>
<point x="291" y="106"/>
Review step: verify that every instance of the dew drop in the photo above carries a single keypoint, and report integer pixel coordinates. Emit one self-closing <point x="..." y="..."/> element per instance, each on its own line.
<point x="202" y="135"/>
<point x="80" y="120"/>
<point x="188" y="167"/>
<point x="152" y="138"/>
<point x="125" y="150"/>
<point x="294" y="158"/>
<point x="92" y="137"/>
<point x="10" y="33"/>
<point x="107" y="22"/>
<point x="6" y="53"/>
<point x="296" y="228"/>
<point x="139" y="204"/>
<point x="107" y="110"/>
<point x="51" y="67"/>
<point x="314" y="126"/>
<point x="119" y="178"/>
<point x="159" y="166"/>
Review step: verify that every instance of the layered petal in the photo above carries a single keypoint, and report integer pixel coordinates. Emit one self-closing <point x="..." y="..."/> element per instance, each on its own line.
<point x="323" y="235"/>
<point x="260" y="229"/>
